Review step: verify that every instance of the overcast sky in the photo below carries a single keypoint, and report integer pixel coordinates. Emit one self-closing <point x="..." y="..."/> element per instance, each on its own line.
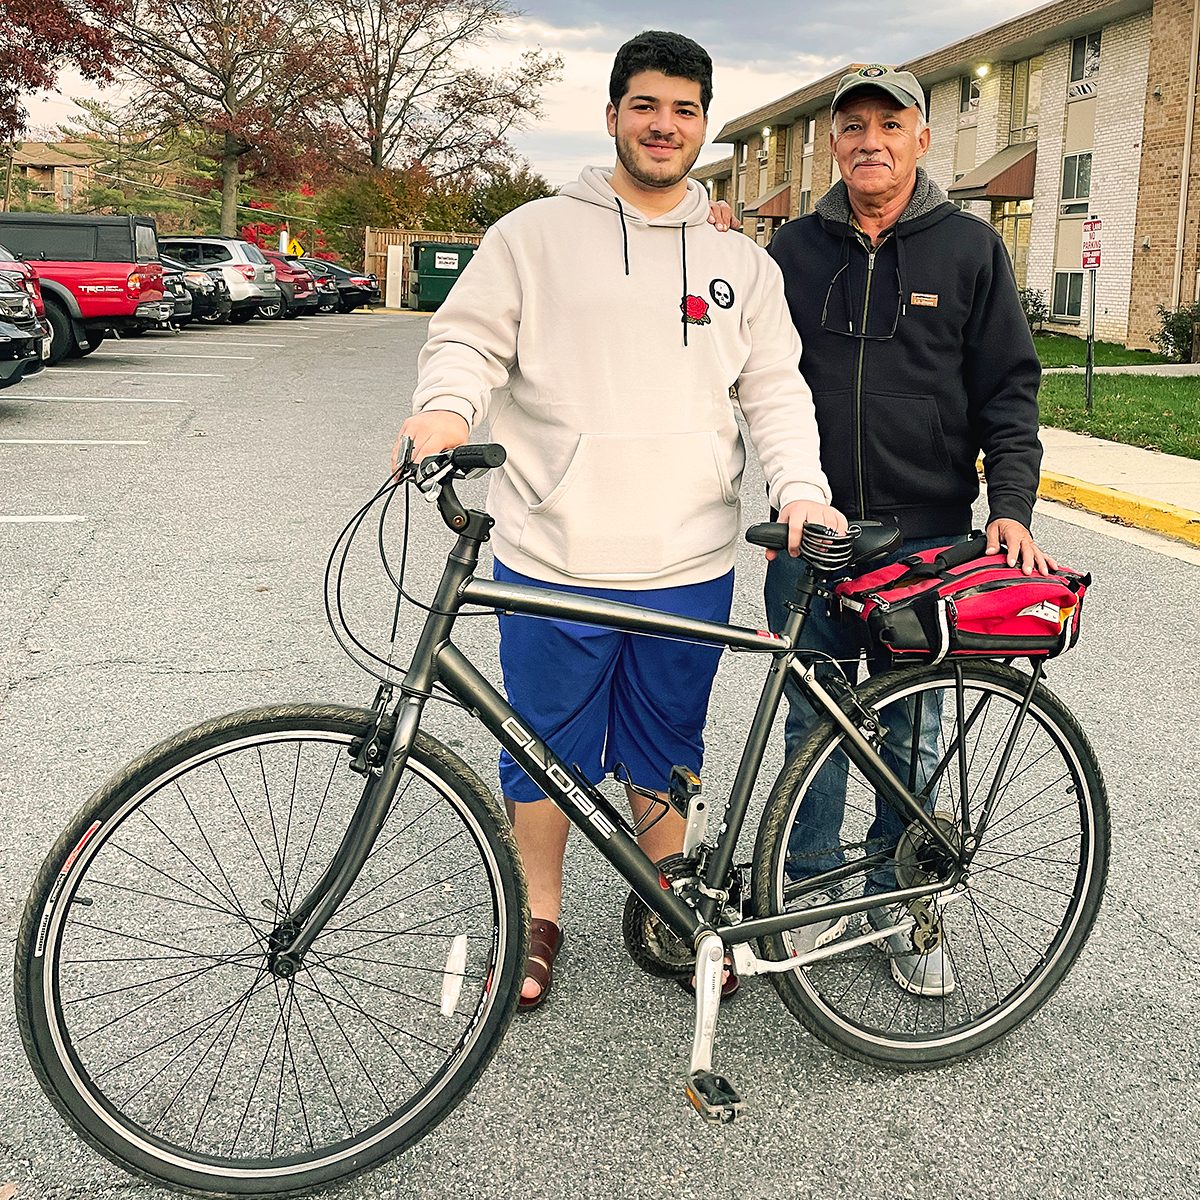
<point x="761" y="50"/>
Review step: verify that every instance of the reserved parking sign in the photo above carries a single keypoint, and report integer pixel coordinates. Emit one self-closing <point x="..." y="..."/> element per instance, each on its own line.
<point x="1091" y="244"/>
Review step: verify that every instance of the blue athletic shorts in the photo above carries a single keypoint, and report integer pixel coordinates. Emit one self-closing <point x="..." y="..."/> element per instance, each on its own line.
<point x="599" y="697"/>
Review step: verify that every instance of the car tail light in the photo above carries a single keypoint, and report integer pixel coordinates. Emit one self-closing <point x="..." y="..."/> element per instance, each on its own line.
<point x="135" y="283"/>
<point x="360" y="281"/>
<point x="249" y="270"/>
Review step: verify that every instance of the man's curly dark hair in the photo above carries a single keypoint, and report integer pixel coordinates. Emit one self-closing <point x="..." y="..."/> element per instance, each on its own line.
<point x="671" y="53"/>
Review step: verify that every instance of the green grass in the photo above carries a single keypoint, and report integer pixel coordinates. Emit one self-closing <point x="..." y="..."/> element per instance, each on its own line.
<point x="1154" y="411"/>
<point x="1062" y="350"/>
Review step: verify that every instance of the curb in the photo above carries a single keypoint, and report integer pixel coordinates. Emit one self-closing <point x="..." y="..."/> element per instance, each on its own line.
<point x="1154" y="515"/>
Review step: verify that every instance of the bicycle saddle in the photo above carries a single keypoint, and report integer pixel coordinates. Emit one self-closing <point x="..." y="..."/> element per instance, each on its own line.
<point x="873" y="538"/>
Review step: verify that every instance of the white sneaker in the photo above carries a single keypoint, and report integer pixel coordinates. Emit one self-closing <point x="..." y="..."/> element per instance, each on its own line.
<point x="821" y="933"/>
<point x="922" y="974"/>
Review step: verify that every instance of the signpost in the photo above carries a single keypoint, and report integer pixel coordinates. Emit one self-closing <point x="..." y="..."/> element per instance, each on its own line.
<point x="1091" y="264"/>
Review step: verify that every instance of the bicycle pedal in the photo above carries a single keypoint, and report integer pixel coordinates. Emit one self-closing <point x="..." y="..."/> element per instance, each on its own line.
<point x="713" y="1097"/>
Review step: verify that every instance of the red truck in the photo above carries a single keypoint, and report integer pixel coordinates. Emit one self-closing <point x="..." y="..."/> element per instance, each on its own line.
<point x="98" y="275"/>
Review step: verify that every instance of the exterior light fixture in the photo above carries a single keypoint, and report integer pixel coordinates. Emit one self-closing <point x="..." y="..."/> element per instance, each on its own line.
<point x="982" y="70"/>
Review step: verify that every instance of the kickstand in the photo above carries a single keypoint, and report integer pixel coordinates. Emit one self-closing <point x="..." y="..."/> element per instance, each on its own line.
<point x="710" y="1094"/>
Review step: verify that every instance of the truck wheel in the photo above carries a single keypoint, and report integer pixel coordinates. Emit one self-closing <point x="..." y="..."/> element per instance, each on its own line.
<point x="94" y="340"/>
<point x="63" y="341"/>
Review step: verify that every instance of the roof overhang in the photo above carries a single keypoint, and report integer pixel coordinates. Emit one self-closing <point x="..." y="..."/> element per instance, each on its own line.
<point x="1007" y="175"/>
<point x="773" y="203"/>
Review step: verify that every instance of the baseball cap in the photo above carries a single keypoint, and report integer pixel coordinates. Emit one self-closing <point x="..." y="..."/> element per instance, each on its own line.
<point x="902" y="86"/>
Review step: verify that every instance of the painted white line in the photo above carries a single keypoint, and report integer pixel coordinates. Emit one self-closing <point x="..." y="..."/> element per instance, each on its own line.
<point x="65" y="519"/>
<point x="170" y="354"/>
<point x="100" y="400"/>
<point x="289" y="336"/>
<point x="66" y="442"/>
<point x="268" y="345"/>
<point x="158" y="374"/>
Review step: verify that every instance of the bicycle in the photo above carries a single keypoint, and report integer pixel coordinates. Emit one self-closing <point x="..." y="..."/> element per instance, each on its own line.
<point x="279" y="947"/>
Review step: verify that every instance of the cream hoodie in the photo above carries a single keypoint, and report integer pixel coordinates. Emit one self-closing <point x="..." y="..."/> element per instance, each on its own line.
<point x="602" y="345"/>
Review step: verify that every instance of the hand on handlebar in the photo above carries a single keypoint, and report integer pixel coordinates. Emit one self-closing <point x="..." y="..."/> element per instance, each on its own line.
<point x="801" y="512"/>
<point x="431" y="433"/>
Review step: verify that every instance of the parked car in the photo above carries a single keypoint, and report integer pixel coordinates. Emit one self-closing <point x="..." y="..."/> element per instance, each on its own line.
<point x="177" y="292"/>
<point x="24" y="344"/>
<point x="18" y="271"/>
<point x="97" y="275"/>
<point x="208" y="291"/>
<point x="297" y="284"/>
<point x="248" y="275"/>
<point x="328" y="296"/>
<point x="354" y="288"/>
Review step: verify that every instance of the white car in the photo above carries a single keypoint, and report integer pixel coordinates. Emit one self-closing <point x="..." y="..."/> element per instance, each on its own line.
<point x="248" y="274"/>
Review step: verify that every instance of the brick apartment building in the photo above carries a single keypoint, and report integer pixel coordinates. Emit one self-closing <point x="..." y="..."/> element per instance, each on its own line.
<point x="1079" y="107"/>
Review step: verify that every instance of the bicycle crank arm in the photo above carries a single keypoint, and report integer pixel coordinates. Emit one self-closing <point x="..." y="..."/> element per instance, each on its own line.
<point x="710" y="1094"/>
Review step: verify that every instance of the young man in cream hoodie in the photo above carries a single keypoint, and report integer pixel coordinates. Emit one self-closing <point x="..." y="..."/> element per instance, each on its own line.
<point x="600" y="332"/>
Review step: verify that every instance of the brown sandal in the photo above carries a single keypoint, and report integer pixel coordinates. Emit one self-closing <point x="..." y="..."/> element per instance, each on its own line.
<point x="545" y="941"/>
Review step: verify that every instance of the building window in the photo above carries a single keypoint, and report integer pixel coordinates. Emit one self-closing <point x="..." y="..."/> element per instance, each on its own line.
<point x="1085" y="56"/>
<point x="1026" y="101"/>
<point x="968" y="95"/>
<point x="805" y="203"/>
<point x="785" y="174"/>
<point x="810" y="132"/>
<point x="1068" y="295"/>
<point x="1076" y="182"/>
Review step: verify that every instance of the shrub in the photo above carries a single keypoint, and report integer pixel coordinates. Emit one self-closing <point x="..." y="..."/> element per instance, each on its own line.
<point x="1174" y="336"/>
<point x="1035" y="308"/>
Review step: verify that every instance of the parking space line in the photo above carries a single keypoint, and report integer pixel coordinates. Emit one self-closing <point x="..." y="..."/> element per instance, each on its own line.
<point x="171" y="354"/>
<point x="64" y="519"/>
<point x="267" y="345"/>
<point x="234" y="333"/>
<point x="98" y="399"/>
<point x="68" y="442"/>
<point x="159" y="374"/>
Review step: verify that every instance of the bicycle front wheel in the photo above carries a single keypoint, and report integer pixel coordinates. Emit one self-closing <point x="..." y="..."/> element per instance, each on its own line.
<point x="144" y="995"/>
<point x="983" y="956"/>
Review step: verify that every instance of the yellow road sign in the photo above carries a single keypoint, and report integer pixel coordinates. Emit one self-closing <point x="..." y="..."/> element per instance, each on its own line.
<point x="295" y="248"/>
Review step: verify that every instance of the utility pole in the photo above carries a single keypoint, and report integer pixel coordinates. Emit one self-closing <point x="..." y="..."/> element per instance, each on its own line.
<point x="12" y="154"/>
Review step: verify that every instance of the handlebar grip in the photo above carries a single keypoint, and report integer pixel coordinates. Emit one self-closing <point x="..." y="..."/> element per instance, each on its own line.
<point x="477" y="456"/>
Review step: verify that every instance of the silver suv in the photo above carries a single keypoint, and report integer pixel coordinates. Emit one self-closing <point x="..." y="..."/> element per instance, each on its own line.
<point x="248" y="274"/>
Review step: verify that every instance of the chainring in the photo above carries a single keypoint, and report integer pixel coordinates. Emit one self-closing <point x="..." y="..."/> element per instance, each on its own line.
<point x="651" y="945"/>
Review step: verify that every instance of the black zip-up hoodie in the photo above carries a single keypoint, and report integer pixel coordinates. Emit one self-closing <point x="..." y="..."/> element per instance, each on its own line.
<point x="947" y="368"/>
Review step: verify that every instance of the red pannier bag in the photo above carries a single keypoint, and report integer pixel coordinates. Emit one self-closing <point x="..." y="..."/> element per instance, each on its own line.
<point x="957" y="601"/>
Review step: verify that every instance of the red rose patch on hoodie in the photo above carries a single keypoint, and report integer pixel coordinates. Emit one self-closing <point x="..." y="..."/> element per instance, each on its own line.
<point x="695" y="310"/>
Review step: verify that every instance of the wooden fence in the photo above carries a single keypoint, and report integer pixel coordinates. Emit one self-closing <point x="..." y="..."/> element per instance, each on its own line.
<point x="377" y="242"/>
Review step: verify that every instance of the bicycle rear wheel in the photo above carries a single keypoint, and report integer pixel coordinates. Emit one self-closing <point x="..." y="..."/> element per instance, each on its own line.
<point x="1009" y="932"/>
<point x="143" y="993"/>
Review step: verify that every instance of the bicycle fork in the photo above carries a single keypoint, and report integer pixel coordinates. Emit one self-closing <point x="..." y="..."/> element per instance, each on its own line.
<point x="292" y="939"/>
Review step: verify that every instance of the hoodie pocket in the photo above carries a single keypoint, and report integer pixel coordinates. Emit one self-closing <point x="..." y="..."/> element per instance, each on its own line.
<point x="634" y="506"/>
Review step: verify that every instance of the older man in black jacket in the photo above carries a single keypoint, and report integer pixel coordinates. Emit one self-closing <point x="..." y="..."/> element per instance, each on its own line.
<point x="919" y="358"/>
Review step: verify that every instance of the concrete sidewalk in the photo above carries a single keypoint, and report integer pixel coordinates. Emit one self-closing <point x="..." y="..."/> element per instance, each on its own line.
<point x="1159" y="492"/>
<point x="1130" y="369"/>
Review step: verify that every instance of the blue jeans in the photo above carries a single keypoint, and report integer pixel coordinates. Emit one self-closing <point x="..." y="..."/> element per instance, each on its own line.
<point x="814" y="841"/>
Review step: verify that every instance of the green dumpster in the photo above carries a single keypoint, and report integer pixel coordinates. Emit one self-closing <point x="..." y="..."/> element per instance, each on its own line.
<point x="435" y="267"/>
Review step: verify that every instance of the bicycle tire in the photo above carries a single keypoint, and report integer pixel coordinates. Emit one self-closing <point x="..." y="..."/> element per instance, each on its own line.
<point x="129" y="883"/>
<point x="848" y="1000"/>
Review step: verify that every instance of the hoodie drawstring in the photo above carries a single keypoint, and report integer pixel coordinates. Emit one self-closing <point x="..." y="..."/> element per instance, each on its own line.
<point x="624" y="232"/>
<point x="683" y="255"/>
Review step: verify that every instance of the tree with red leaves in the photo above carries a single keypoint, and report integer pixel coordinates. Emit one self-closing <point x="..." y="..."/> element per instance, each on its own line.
<point x="38" y="38"/>
<point x="248" y="74"/>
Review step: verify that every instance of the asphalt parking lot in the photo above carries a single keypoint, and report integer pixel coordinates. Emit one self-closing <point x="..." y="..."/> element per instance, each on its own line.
<point x="166" y="508"/>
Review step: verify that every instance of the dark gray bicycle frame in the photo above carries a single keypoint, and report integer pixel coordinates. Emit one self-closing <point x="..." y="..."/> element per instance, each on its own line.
<point x="436" y="660"/>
